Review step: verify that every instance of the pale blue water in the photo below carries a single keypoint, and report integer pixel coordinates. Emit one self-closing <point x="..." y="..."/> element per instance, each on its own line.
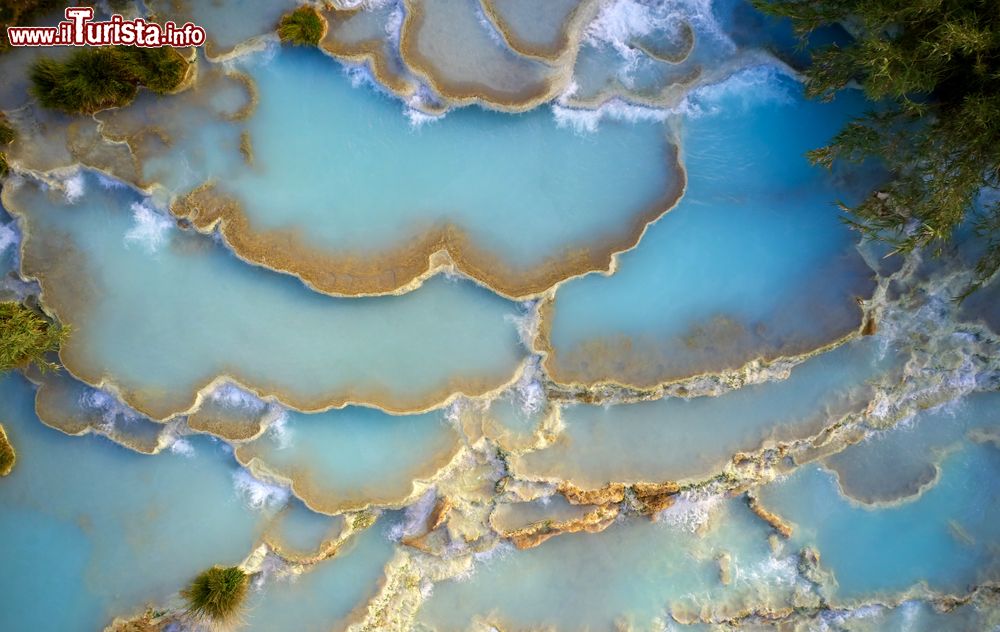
<point x="680" y="439"/>
<point x="879" y="451"/>
<point x="753" y="262"/>
<point x="348" y="459"/>
<point x="163" y="314"/>
<point x="100" y="530"/>
<point x="324" y="598"/>
<point x="944" y="536"/>
<point x="523" y="188"/>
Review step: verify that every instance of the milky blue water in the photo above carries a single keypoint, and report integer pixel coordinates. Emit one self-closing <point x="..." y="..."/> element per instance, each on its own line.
<point x="160" y="313"/>
<point x="367" y="459"/>
<point x="943" y="536"/>
<point x="100" y="530"/>
<point x="754" y="262"/>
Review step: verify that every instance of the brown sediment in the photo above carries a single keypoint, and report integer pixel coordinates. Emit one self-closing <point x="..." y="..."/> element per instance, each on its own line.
<point x="676" y="55"/>
<point x="609" y="494"/>
<point x="655" y="497"/>
<point x="8" y="456"/>
<point x="407" y="265"/>
<point x="57" y="407"/>
<point x="913" y="490"/>
<point x="773" y="520"/>
<point x="870" y="328"/>
<point x="725" y="561"/>
<point x="68" y="290"/>
<point x="718" y="345"/>
<point x="593" y="522"/>
<point x="468" y="92"/>
<point x="371" y="51"/>
<point x="565" y="42"/>
<point x="246" y="147"/>
<point x="225" y="423"/>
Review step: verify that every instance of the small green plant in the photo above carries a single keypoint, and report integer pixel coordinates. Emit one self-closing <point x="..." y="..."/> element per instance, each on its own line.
<point x="92" y="79"/>
<point x="302" y="27"/>
<point x="217" y="594"/>
<point x="7" y="133"/>
<point x="7" y="454"/>
<point x="26" y="337"/>
<point x="363" y="519"/>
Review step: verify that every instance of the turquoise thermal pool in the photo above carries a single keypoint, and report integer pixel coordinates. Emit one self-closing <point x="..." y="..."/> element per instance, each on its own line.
<point x="482" y="315"/>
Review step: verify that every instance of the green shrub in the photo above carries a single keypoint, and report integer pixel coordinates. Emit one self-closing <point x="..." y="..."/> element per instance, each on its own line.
<point x="26" y="337"/>
<point x="302" y="27"/>
<point x="217" y="594"/>
<point x="92" y="79"/>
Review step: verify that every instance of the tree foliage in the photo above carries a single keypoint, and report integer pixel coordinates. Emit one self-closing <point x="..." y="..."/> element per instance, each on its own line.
<point x="26" y="337"/>
<point x="933" y="67"/>
<point x="92" y="79"/>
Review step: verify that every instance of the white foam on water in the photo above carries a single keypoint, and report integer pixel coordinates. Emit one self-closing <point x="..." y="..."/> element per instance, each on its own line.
<point x="690" y="511"/>
<point x="394" y="22"/>
<point x="414" y="517"/>
<point x="620" y="22"/>
<point x="112" y="410"/>
<point x="256" y="493"/>
<point x="585" y="121"/>
<point x="108" y="182"/>
<point x="182" y="447"/>
<point x="529" y="391"/>
<point x="755" y="79"/>
<point x="418" y="118"/>
<point x="279" y="430"/>
<point x="490" y="28"/>
<point x="149" y="228"/>
<point x="526" y="322"/>
<point x="771" y="571"/>
<point x="10" y="236"/>
<point x="232" y="396"/>
<point x="74" y="187"/>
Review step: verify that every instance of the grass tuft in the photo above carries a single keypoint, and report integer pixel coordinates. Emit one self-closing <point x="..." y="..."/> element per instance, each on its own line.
<point x="7" y="454"/>
<point x="302" y="27"/>
<point x="217" y="594"/>
<point x="26" y="337"/>
<point x="92" y="79"/>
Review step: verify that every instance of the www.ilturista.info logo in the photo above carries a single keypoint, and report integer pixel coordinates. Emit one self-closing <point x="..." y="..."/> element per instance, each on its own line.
<point x="79" y="29"/>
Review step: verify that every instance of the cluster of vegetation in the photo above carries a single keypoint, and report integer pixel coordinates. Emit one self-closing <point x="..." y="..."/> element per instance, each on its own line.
<point x="7" y="136"/>
<point x="26" y="337"/>
<point x="363" y="519"/>
<point x="92" y="79"/>
<point x="7" y="454"/>
<point x="217" y="594"/>
<point x="22" y="13"/>
<point x="303" y="27"/>
<point x="933" y="69"/>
